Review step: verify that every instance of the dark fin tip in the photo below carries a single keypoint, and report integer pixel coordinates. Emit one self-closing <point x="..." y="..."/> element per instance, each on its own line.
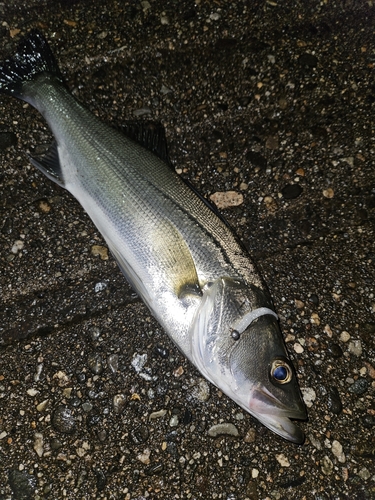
<point x="33" y="57"/>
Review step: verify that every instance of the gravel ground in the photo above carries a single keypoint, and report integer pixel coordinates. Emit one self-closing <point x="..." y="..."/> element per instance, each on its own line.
<point x="271" y="99"/>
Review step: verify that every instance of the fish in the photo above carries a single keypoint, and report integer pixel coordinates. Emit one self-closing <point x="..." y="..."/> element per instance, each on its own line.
<point x="174" y="248"/>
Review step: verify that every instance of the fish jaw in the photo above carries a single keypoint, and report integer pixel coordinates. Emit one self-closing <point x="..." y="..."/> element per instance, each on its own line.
<point x="272" y="413"/>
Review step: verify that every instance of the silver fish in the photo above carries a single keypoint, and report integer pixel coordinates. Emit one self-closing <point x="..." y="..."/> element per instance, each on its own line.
<point x="177" y="253"/>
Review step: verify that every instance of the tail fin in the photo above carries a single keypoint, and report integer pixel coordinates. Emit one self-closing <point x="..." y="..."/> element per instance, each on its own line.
<point x="33" y="57"/>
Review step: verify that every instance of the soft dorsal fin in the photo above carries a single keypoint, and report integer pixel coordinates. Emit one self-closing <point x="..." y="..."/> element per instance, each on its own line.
<point x="50" y="165"/>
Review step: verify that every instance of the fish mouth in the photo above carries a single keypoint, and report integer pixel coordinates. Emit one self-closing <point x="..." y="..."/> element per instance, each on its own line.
<point x="272" y="413"/>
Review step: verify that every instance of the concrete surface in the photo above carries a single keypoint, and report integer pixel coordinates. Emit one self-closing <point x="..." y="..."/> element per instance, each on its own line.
<point x="271" y="99"/>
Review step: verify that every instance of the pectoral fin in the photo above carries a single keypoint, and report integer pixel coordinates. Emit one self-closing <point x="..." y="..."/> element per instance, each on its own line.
<point x="176" y="261"/>
<point x="49" y="164"/>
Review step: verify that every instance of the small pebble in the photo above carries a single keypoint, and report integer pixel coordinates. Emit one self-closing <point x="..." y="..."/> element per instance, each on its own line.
<point x="95" y="333"/>
<point x="344" y="336"/>
<point x="283" y="460"/>
<point x="314" y="299"/>
<point x="298" y="348"/>
<point x="338" y="452"/>
<point x="157" y="414"/>
<point x="38" y="444"/>
<point x="95" y="363"/>
<point x="327" y="466"/>
<point x="102" y="435"/>
<point x="201" y="391"/>
<point x="87" y="406"/>
<point x="187" y="417"/>
<point x="144" y="457"/>
<point x="364" y="474"/>
<point x="223" y="429"/>
<point x="370" y="370"/>
<point x="173" y="422"/>
<point x="142" y="111"/>
<point x="17" y="246"/>
<point x="113" y="362"/>
<point x="118" y="402"/>
<point x="43" y="405"/>
<point x="227" y="199"/>
<point x="315" y="319"/>
<point x="98" y="250"/>
<point x="309" y="396"/>
<point x="328" y="193"/>
<point x="100" y="286"/>
<point x="250" y="436"/>
<point x="355" y="347"/>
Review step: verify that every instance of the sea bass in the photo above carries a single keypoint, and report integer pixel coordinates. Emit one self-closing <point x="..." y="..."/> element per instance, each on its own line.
<point x="178" y="254"/>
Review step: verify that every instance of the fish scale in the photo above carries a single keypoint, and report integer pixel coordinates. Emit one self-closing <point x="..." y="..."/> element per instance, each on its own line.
<point x="182" y="259"/>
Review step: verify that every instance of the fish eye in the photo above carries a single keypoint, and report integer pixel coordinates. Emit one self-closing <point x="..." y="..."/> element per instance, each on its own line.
<point x="281" y="371"/>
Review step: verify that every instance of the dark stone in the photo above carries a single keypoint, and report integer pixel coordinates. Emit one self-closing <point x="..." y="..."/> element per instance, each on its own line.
<point x="359" y="387"/>
<point x="140" y="434"/>
<point x="334" y="401"/>
<point x="314" y="299"/>
<point x="63" y="420"/>
<point x="187" y="417"/>
<point x="101" y="480"/>
<point x="335" y="350"/>
<point x="154" y="469"/>
<point x="256" y="159"/>
<point x="291" y="191"/>
<point x="161" y="351"/>
<point x="81" y="377"/>
<point x="368" y="421"/>
<point x="22" y="484"/>
<point x="225" y="43"/>
<point x="7" y="226"/>
<point x="7" y="139"/>
<point x="292" y="482"/>
<point x="308" y="60"/>
<point x="93" y="419"/>
<point x="244" y="101"/>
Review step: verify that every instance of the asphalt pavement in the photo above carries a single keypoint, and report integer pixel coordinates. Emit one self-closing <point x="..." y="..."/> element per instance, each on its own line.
<point x="271" y="100"/>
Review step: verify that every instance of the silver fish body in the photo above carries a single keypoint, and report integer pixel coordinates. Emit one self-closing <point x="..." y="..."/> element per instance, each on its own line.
<point x="181" y="258"/>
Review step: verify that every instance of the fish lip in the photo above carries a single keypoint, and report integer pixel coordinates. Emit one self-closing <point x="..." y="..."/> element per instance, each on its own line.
<point x="272" y="413"/>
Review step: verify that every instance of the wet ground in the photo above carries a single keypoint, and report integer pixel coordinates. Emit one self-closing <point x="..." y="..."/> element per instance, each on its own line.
<point x="270" y="99"/>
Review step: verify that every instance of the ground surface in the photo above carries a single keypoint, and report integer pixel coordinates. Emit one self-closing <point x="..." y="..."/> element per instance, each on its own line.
<point x="271" y="99"/>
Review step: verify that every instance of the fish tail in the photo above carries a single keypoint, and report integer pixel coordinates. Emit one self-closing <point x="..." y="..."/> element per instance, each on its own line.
<point x="32" y="58"/>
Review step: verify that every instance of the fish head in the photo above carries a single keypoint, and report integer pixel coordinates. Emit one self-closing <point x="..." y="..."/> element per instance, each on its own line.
<point x="238" y="346"/>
